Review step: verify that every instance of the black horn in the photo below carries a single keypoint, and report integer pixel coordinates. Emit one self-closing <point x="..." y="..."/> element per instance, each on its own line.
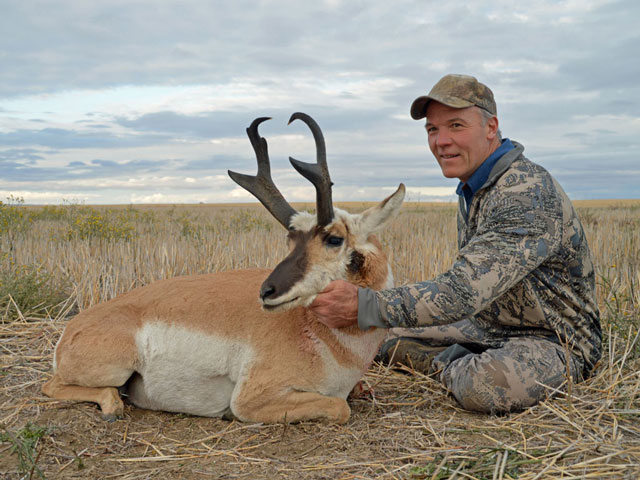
<point x="317" y="173"/>
<point x="261" y="185"/>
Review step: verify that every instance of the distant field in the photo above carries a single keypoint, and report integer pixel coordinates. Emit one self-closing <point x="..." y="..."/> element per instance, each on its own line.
<point x="55" y="260"/>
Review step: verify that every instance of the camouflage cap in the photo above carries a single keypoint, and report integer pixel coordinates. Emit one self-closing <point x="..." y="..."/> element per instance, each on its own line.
<point x="456" y="91"/>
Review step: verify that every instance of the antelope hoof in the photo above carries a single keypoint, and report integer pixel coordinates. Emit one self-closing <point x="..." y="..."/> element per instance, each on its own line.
<point x="110" y="417"/>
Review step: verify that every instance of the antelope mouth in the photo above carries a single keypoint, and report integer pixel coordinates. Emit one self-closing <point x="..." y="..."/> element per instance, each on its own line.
<point x="279" y="306"/>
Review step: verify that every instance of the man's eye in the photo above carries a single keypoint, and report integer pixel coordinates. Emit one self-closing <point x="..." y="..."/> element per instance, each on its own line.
<point x="334" y="241"/>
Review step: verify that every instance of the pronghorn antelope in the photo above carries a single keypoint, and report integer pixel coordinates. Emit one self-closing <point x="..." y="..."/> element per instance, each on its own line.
<point x="210" y="345"/>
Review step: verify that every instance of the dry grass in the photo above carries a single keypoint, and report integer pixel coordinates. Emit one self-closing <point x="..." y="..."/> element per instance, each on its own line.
<point x="409" y="428"/>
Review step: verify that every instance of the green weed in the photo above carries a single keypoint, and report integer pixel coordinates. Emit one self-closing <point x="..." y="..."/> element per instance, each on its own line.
<point x="245" y="221"/>
<point x="14" y="221"/>
<point x="93" y="224"/>
<point x="24" y="444"/>
<point x="30" y="289"/>
<point x="487" y="463"/>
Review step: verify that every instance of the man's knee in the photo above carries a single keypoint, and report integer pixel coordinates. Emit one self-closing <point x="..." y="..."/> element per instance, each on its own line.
<point x="483" y="385"/>
<point x="495" y="383"/>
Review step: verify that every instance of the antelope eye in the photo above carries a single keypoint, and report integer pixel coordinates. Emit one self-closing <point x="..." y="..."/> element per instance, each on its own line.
<point x="334" y="241"/>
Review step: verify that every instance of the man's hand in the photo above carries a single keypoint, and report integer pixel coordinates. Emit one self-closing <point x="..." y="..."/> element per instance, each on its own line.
<point x="337" y="305"/>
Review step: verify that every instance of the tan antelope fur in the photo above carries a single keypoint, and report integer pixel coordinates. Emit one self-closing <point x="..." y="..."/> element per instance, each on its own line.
<point x="241" y="342"/>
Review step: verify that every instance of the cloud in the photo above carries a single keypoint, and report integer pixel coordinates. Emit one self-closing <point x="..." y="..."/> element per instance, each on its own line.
<point x="20" y="172"/>
<point x="206" y="125"/>
<point x="60" y="138"/>
<point x="112" y="97"/>
<point x="28" y="154"/>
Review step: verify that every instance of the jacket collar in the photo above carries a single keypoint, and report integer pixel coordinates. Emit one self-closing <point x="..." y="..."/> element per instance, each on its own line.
<point x="501" y="166"/>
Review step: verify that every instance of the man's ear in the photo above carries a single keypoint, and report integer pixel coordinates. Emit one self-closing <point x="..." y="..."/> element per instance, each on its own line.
<point x="492" y="125"/>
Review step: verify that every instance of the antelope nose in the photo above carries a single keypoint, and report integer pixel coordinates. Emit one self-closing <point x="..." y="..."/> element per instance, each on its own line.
<point x="267" y="291"/>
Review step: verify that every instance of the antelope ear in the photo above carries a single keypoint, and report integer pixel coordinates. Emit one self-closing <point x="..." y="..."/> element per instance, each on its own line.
<point x="375" y="217"/>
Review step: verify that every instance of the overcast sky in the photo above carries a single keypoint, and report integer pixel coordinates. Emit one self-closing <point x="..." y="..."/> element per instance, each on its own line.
<point x="141" y="101"/>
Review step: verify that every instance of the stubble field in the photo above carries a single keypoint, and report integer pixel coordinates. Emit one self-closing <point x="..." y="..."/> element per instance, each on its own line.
<point x="55" y="261"/>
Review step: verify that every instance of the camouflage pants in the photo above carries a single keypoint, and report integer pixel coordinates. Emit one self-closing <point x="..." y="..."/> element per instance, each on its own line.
<point x="485" y="374"/>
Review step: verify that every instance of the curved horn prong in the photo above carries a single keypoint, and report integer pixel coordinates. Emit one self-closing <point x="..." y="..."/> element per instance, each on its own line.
<point x="317" y="173"/>
<point x="261" y="185"/>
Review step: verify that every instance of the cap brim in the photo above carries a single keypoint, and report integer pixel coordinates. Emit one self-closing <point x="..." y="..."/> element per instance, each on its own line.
<point x="419" y="107"/>
<point x="420" y="104"/>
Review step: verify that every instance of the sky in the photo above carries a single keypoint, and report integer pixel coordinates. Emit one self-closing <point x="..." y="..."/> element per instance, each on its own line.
<point x="140" y="101"/>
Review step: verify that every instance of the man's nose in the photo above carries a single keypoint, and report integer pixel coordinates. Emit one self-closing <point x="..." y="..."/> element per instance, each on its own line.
<point x="443" y="138"/>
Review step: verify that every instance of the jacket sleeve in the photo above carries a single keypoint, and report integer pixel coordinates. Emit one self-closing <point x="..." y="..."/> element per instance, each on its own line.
<point x="517" y="231"/>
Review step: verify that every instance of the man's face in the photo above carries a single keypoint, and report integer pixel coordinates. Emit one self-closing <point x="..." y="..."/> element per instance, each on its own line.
<point x="459" y="140"/>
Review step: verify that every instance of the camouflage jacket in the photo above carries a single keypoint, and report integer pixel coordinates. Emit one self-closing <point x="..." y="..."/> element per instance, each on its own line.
<point x="523" y="267"/>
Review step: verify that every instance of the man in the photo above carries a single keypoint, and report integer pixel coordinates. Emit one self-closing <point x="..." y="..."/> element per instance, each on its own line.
<point x="516" y="314"/>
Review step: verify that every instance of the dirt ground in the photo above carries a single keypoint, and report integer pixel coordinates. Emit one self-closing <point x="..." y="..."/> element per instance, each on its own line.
<point x="408" y="428"/>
